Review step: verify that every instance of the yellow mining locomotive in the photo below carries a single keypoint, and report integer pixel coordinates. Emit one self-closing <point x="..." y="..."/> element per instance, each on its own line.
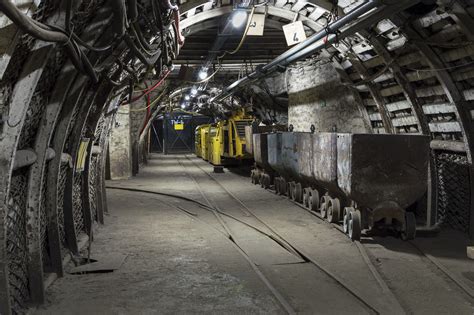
<point x="201" y="135"/>
<point x="224" y="143"/>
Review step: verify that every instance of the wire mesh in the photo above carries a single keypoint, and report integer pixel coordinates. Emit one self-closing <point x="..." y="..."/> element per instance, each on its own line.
<point x="44" y="228"/>
<point x="17" y="250"/>
<point x="78" y="213"/>
<point x="60" y="204"/>
<point x="453" y="191"/>
<point x="93" y="185"/>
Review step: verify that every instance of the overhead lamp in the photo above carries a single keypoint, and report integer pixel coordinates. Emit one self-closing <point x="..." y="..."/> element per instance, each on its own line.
<point x="183" y="106"/>
<point x="194" y="91"/>
<point x="202" y="74"/>
<point x="238" y="18"/>
<point x="186" y="97"/>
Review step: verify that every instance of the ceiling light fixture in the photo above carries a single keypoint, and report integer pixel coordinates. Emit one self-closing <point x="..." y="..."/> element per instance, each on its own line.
<point x="194" y="91"/>
<point x="239" y="17"/>
<point x="202" y="74"/>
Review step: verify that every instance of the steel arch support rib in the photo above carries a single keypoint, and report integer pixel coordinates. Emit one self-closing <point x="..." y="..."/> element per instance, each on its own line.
<point x="456" y="97"/>
<point x="374" y="91"/>
<point x="21" y="98"/>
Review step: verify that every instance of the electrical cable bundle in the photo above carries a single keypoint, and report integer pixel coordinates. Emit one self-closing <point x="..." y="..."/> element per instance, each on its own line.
<point x="126" y="28"/>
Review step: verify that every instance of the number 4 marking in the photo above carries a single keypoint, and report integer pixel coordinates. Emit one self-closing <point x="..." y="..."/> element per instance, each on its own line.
<point x="295" y="38"/>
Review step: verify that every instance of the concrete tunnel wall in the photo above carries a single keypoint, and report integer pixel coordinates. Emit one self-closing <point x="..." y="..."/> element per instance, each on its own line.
<point x="318" y="96"/>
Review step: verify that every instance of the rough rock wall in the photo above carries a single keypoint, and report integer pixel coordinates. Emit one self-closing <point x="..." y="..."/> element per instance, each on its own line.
<point x="318" y="96"/>
<point x="120" y="145"/>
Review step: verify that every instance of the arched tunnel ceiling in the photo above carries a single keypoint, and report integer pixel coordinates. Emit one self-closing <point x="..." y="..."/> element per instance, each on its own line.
<point x="412" y="74"/>
<point x="406" y="95"/>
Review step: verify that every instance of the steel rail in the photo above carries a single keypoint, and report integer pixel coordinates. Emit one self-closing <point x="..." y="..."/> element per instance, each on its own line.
<point x="302" y="253"/>
<point x="283" y="302"/>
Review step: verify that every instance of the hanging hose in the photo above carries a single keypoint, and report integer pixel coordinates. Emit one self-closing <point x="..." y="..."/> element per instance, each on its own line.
<point x="148" y="91"/>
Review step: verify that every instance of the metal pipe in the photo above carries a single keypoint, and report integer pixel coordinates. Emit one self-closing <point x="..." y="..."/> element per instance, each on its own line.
<point x="303" y="49"/>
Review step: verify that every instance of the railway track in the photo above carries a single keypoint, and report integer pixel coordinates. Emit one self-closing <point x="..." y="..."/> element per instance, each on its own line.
<point x="466" y="289"/>
<point x="245" y="215"/>
<point x="307" y="257"/>
<point x="364" y="252"/>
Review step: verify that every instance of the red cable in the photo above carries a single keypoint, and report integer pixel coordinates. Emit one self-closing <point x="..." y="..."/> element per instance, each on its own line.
<point x="150" y="89"/>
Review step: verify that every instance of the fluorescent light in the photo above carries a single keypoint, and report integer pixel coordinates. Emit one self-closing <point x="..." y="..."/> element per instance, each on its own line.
<point x="202" y="74"/>
<point x="239" y="18"/>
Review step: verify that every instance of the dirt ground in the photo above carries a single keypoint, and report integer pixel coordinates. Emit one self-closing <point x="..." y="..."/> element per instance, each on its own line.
<point x="179" y="259"/>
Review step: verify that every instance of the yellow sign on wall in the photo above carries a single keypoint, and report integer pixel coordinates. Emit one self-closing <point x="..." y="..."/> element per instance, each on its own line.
<point x="82" y="155"/>
<point x="179" y="126"/>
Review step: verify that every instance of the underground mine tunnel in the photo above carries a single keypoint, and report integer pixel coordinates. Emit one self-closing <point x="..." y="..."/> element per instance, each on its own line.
<point x="236" y="157"/>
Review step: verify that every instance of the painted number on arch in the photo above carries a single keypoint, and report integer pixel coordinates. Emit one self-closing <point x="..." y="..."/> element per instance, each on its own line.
<point x="294" y="33"/>
<point x="256" y="25"/>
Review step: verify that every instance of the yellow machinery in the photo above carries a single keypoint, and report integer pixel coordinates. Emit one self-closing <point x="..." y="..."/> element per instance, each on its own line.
<point x="200" y="139"/>
<point x="224" y="142"/>
<point x="215" y="144"/>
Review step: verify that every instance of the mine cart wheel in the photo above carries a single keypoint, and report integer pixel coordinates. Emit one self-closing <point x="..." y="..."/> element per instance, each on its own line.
<point x="345" y="219"/>
<point x="277" y="185"/>
<point x="313" y="201"/>
<point x="298" y="192"/>
<point x="334" y="210"/>
<point x="265" y="181"/>
<point x="324" y="206"/>
<point x="306" y="196"/>
<point x="409" y="232"/>
<point x="283" y="186"/>
<point x="256" y="178"/>
<point x="290" y="188"/>
<point x="355" y="226"/>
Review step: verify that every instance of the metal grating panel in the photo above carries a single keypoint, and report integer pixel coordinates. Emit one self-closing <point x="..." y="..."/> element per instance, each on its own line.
<point x="77" y="205"/>
<point x="60" y="203"/>
<point x="454" y="191"/>
<point x="44" y="227"/>
<point x="17" y="251"/>
<point x="93" y="185"/>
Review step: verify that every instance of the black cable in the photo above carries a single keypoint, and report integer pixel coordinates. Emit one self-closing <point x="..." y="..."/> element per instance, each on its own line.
<point x="68" y="15"/>
<point x="118" y="7"/>
<point x="132" y="10"/>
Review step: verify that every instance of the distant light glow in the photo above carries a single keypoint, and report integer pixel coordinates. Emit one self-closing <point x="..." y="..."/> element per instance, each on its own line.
<point x="186" y="97"/>
<point x="239" y="18"/>
<point x="202" y="74"/>
<point x="183" y="106"/>
<point x="194" y="91"/>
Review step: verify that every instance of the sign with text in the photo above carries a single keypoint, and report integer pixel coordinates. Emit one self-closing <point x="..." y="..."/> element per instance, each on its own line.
<point x="294" y="33"/>
<point x="257" y="24"/>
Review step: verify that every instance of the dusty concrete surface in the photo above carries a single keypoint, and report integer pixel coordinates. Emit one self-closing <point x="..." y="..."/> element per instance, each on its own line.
<point x="183" y="263"/>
